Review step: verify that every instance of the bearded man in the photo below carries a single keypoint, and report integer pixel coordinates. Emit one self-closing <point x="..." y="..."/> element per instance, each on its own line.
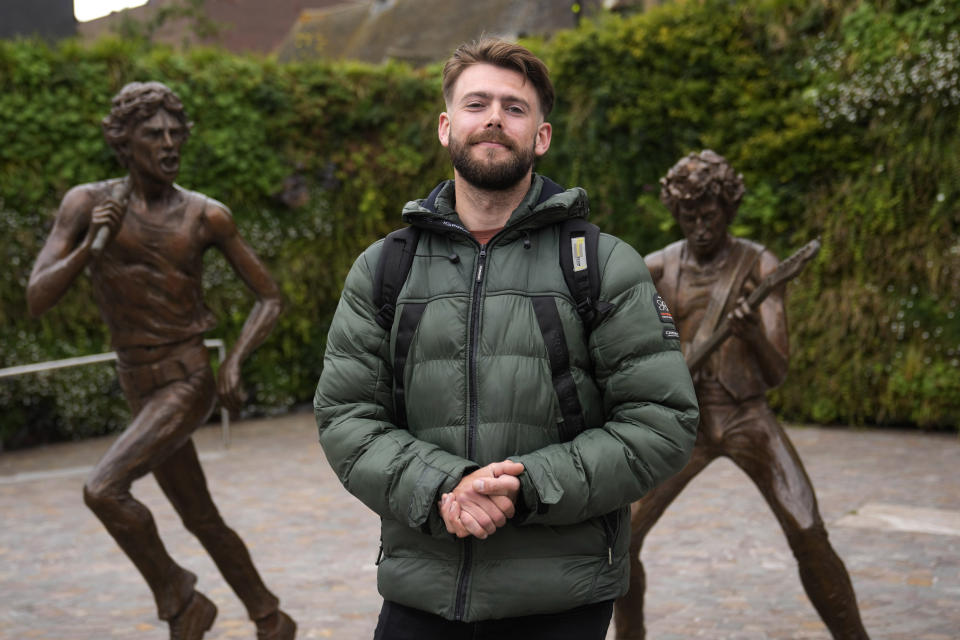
<point x="499" y="438"/>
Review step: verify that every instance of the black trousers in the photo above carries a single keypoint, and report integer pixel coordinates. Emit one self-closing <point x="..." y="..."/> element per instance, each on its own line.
<point x="399" y="622"/>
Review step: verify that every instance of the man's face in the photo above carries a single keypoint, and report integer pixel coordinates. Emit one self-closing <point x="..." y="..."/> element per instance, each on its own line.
<point x="704" y="224"/>
<point x="493" y="127"/>
<point x="154" y="146"/>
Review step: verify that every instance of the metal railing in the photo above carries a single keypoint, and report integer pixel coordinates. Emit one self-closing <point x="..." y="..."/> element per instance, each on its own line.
<point x="20" y="370"/>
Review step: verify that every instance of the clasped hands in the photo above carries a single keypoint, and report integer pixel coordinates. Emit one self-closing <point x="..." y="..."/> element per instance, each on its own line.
<point x="483" y="500"/>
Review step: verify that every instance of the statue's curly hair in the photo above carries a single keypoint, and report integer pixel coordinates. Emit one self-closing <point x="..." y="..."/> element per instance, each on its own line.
<point x="136" y="102"/>
<point x="702" y="175"/>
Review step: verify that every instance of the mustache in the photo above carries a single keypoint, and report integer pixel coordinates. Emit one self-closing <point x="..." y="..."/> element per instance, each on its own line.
<point x="490" y="135"/>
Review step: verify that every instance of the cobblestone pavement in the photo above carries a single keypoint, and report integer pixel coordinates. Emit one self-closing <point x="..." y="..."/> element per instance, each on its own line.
<point x="717" y="565"/>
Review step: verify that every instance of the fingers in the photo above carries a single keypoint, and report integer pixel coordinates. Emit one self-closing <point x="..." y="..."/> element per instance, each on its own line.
<point x="109" y="215"/>
<point x="108" y="212"/>
<point x="483" y="500"/>
<point x="744" y="320"/>
<point x="478" y="521"/>
<point x="507" y="467"/>
<point x="232" y="397"/>
<point x="229" y="388"/>
<point x="502" y="486"/>
<point x="481" y="517"/>
<point x="505" y="505"/>
<point x="502" y="492"/>
<point x="463" y="522"/>
<point x="450" y="512"/>
<point x="231" y="401"/>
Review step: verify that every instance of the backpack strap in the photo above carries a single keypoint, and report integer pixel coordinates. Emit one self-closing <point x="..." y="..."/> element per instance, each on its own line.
<point x="579" y="263"/>
<point x="548" y="317"/>
<point x="406" y="328"/>
<point x="396" y="258"/>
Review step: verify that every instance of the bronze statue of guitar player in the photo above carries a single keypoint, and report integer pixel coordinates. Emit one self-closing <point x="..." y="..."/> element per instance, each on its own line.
<point x="727" y="300"/>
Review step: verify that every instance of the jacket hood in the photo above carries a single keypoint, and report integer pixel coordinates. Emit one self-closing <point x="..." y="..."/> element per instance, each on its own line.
<point x="545" y="203"/>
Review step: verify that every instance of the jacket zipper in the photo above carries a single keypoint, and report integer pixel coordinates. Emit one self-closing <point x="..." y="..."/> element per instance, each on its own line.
<point x="610" y="532"/>
<point x="473" y="403"/>
<point x="474" y="348"/>
<point x="463" y="579"/>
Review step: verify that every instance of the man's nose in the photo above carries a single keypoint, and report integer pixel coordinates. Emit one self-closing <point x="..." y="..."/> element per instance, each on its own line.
<point x="494" y="119"/>
<point x="167" y="139"/>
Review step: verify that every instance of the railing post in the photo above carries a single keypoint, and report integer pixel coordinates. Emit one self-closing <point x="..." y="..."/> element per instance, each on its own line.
<point x="224" y="414"/>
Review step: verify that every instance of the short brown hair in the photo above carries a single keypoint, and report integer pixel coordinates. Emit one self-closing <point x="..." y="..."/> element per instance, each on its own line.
<point x="702" y="175"/>
<point x="500" y="54"/>
<point x="136" y="102"/>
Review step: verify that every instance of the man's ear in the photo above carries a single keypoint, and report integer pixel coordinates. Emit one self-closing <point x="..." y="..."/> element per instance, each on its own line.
<point x="443" y="129"/>
<point x="542" y="141"/>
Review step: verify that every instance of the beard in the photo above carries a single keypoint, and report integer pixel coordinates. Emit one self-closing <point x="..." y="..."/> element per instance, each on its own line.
<point x="486" y="173"/>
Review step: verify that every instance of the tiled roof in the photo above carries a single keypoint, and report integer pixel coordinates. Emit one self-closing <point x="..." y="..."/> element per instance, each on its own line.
<point x="248" y="25"/>
<point x="419" y="31"/>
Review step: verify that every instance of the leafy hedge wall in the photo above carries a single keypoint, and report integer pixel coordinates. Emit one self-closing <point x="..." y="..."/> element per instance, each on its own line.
<point x="315" y="162"/>
<point x="841" y="115"/>
<point x="843" y="118"/>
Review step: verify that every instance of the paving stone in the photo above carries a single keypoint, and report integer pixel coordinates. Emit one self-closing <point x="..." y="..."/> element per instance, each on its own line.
<point x="718" y="566"/>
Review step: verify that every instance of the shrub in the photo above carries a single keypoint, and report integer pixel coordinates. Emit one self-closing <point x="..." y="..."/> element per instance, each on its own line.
<point x="842" y="117"/>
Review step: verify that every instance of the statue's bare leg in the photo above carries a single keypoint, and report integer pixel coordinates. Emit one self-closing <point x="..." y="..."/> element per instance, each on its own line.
<point x="628" y="610"/>
<point x="164" y="419"/>
<point x="182" y="480"/>
<point x="757" y="444"/>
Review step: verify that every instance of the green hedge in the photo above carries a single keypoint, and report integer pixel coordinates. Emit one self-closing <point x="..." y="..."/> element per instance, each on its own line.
<point x="842" y="117"/>
<point x="315" y="162"/>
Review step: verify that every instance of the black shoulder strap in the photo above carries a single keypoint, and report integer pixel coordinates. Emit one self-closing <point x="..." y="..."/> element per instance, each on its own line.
<point x="396" y="258"/>
<point x="579" y="262"/>
<point x="580" y="265"/>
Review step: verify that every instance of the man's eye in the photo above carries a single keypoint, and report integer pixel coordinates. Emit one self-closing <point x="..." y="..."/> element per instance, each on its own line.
<point x="515" y="109"/>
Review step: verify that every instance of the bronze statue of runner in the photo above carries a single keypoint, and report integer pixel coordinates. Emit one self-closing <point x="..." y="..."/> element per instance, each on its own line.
<point x="707" y="279"/>
<point x="143" y="237"/>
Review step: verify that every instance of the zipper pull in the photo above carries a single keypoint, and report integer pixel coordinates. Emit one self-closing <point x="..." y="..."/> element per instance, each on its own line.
<point x="483" y="257"/>
<point x="610" y="556"/>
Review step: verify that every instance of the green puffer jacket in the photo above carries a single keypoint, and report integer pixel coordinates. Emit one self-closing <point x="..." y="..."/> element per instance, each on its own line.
<point x="478" y="389"/>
